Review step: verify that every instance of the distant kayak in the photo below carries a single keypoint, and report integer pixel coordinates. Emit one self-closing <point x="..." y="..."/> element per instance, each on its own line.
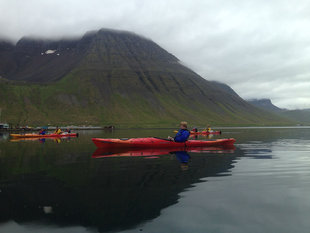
<point x="206" y="132"/>
<point x="56" y="139"/>
<point x="145" y="152"/>
<point x="159" y="143"/>
<point x="202" y="132"/>
<point x="43" y="136"/>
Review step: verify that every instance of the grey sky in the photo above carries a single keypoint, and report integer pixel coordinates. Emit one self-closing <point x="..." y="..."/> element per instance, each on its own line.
<point x="260" y="48"/>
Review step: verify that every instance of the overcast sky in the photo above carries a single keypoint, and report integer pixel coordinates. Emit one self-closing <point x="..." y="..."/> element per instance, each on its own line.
<point x="261" y="48"/>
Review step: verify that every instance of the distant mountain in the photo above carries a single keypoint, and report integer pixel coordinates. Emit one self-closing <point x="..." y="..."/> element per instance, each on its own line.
<point x="301" y="116"/>
<point x="113" y="77"/>
<point x="265" y="104"/>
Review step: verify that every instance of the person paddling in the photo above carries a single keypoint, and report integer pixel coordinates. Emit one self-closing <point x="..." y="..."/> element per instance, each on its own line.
<point x="42" y="132"/>
<point x="195" y="130"/>
<point x="209" y="129"/>
<point x="57" y="130"/>
<point x="182" y="135"/>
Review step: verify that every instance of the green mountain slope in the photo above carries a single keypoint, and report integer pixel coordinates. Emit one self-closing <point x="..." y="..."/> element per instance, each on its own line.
<point x="115" y="78"/>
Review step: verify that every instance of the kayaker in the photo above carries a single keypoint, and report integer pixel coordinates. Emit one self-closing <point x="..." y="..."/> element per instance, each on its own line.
<point x="195" y="130"/>
<point x="182" y="135"/>
<point x="57" y="130"/>
<point x="42" y="132"/>
<point x="68" y="130"/>
<point x="209" y="129"/>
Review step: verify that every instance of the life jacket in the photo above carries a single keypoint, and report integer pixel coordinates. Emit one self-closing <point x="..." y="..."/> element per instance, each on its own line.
<point x="182" y="135"/>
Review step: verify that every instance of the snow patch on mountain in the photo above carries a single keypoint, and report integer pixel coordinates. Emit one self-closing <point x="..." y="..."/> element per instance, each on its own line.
<point x="50" y="51"/>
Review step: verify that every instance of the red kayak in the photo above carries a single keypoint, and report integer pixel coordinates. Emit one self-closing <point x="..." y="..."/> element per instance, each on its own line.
<point x="202" y="132"/>
<point x="206" y="132"/>
<point x="137" y="152"/>
<point x="44" y="136"/>
<point x="158" y="143"/>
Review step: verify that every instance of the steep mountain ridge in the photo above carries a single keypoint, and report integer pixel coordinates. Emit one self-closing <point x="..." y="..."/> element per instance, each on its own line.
<point x="113" y="77"/>
<point x="41" y="61"/>
<point x="224" y="87"/>
<point x="265" y="104"/>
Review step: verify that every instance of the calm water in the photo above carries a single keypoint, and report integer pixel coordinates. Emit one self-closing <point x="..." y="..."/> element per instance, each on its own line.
<point x="58" y="186"/>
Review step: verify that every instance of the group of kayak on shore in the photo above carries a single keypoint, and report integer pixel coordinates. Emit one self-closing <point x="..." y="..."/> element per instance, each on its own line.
<point x="57" y="131"/>
<point x="183" y="133"/>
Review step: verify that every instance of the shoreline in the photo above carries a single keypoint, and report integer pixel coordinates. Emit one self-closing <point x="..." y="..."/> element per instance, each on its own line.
<point x="154" y="128"/>
<point x="53" y="128"/>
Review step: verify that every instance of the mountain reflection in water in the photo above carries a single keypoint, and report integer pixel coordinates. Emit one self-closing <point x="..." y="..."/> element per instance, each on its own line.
<point x="117" y="192"/>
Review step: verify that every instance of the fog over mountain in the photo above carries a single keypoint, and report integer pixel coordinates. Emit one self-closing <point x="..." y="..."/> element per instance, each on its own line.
<point x="259" y="48"/>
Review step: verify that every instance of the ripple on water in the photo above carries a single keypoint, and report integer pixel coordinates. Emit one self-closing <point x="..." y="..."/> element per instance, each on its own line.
<point x="280" y="159"/>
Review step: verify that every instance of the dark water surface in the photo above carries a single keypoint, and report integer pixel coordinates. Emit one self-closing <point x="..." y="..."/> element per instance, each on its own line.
<point x="57" y="186"/>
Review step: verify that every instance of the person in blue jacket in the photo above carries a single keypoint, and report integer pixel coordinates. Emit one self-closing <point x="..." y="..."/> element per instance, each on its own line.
<point x="182" y="135"/>
<point x="42" y="132"/>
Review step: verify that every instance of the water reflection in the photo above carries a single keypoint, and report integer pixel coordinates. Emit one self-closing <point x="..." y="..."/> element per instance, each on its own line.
<point x="68" y="187"/>
<point x="183" y="157"/>
<point x="4" y="136"/>
<point x="48" y="209"/>
<point x="104" y="194"/>
<point x="256" y="150"/>
<point x="144" y="152"/>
